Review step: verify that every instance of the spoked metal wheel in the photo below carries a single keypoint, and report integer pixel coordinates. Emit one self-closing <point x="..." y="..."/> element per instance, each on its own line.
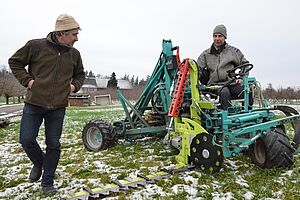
<point x="98" y="135"/>
<point x="205" y="154"/>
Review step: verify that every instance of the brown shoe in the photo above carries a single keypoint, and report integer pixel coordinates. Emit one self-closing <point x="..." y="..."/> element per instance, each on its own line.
<point x="35" y="173"/>
<point x="49" y="190"/>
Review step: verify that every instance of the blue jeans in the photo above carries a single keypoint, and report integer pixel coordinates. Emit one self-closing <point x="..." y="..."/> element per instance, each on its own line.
<point x="31" y="121"/>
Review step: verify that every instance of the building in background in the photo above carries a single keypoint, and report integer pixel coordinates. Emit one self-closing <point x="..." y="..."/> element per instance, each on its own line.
<point x="94" y="84"/>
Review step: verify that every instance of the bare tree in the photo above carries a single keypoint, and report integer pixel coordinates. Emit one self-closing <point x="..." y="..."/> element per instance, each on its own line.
<point x="2" y="77"/>
<point x="12" y="87"/>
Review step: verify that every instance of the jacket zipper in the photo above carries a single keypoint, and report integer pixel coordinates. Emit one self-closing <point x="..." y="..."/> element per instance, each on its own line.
<point x="218" y="68"/>
<point x="54" y="80"/>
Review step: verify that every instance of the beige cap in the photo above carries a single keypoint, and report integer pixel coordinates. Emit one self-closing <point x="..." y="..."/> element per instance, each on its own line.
<point x="65" y="22"/>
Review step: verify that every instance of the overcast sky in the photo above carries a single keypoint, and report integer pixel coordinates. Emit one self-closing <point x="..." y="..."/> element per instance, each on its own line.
<point x="125" y="37"/>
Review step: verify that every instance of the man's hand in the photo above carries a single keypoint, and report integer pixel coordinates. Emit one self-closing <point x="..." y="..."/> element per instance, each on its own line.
<point x="239" y="81"/>
<point x="30" y="84"/>
<point x="72" y="88"/>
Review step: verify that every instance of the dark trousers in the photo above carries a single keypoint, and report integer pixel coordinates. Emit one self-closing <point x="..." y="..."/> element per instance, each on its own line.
<point x="232" y="92"/>
<point x="31" y="121"/>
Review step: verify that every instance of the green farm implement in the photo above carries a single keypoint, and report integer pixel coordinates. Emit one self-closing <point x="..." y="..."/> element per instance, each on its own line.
<point x="177" y="107"/>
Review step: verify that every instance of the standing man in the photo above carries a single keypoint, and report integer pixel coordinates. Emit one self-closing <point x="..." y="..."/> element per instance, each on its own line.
<point x="54" y="71"/>
<point x="216" y="61"/>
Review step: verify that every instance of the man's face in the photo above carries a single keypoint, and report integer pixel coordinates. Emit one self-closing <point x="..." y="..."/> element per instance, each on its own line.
<point x="219" y="39"/>
<point x="69" y="38"/>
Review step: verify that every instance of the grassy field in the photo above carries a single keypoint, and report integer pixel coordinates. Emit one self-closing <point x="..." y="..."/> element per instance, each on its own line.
<point x="12" y="100"/>
<point x="239" y="178"/>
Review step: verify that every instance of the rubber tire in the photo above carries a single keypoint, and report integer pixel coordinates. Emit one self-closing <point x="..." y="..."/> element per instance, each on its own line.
<point x="106" y="131"/>
<point x="273" y="151"/>
<point x="155" y="95"/>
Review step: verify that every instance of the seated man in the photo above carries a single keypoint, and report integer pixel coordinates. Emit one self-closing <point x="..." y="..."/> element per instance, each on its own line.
<point x="215" y="63"/>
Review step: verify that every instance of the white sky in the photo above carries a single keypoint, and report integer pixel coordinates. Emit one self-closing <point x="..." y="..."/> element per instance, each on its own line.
<point x="125" y="37"/>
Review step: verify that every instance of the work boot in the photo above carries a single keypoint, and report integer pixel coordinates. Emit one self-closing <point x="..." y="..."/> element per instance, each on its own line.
<point x="49" y="190"/>
<point x="35" y="173"/>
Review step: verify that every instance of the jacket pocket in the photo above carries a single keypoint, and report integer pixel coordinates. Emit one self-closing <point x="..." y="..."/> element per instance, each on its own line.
<point x="33" y="85"/>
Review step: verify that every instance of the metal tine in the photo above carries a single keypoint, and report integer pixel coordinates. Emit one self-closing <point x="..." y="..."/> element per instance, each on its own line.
<point x="173" y="170"/>
<point x="122" y="186"/>
<point x="151" y="181"/>
<point x="89" y="190"/>
<point x="139" y="182"/>
<point x="158" y="176"/>
<point x="74" y="197"/>
<point x="111" y="188"/>
<point x="103" y="191"/>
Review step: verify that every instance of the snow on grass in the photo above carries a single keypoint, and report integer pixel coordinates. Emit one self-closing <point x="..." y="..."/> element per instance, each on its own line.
<point x="238" y="179"/>
<point x="148" y="192"/>
<point x="241" y="181"/>
<point x="222" y="196"/>
<point x="248" y="195"/>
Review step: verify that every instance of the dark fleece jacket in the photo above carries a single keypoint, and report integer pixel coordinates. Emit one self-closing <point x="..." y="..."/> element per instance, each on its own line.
<point x="52" y="66"/>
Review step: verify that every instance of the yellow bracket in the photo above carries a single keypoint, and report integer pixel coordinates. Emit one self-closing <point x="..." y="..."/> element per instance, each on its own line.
<point x="188" y="129"/>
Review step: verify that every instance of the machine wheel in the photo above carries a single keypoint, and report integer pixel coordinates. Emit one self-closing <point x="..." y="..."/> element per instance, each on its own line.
<point x="205" y="154"/>
<point x="156" y="102"/>
<point x="98" y="135"/>
<point x="289" y="111"/>
<point x="273" y="151"/>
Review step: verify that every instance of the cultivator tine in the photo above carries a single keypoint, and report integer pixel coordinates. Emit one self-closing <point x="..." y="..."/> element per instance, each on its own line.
<point x="177" y="168"/>
<point x="124" y="185"/>
<point x="89" y="190"/>
<point x="96" y="192"/>
<point x="151" y="178"/>
<point x="148" y="180"/>
<point x="82" y="195"/>
<point x="160" y="175"/>
<point x="109" y="188"/>
<point x="138" y="181"/>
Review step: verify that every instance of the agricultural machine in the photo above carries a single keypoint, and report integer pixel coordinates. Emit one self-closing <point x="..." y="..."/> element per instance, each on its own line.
<point x="176" y="106"/>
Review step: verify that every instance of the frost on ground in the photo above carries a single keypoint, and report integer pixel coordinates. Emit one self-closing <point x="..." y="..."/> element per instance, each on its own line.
<point x="238" y="179"/>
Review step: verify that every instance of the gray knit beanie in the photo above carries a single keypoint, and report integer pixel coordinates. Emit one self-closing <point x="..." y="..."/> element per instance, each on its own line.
<point x="220" y="29"/>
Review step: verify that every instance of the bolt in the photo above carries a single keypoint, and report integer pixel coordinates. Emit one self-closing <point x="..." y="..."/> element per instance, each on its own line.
<point x="205" y="153"/>
<point x="226" y="137"/>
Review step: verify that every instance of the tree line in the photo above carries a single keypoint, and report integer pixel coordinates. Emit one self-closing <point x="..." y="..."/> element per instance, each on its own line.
<point x="113" y="81"/>
<point x="284" y="95"/>
<point x="10" y="87"/>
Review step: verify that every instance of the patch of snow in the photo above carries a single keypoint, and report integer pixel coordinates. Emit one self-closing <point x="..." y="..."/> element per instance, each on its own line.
<point x="98" y="110"/>
<point x="191" y="179"/>
<point x="26" y="189"/>
<point x="179" y="188"/>
<point x="150" y="150"/>
<point x="215" y="184"/>
<point x="148" y="192"/>
<point x="242" y="182"/>
<point x="232" y="164"/>
<point x="248" y="195"/>
<point x="281" y="180"/>
<point x="287" y="173"/>
<point x="204" y="187"/>
<point x="153" y="169"/>
<point x="278" y="194"/>
<point x="222" y="196"/>
<point x="102" y="166"/>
